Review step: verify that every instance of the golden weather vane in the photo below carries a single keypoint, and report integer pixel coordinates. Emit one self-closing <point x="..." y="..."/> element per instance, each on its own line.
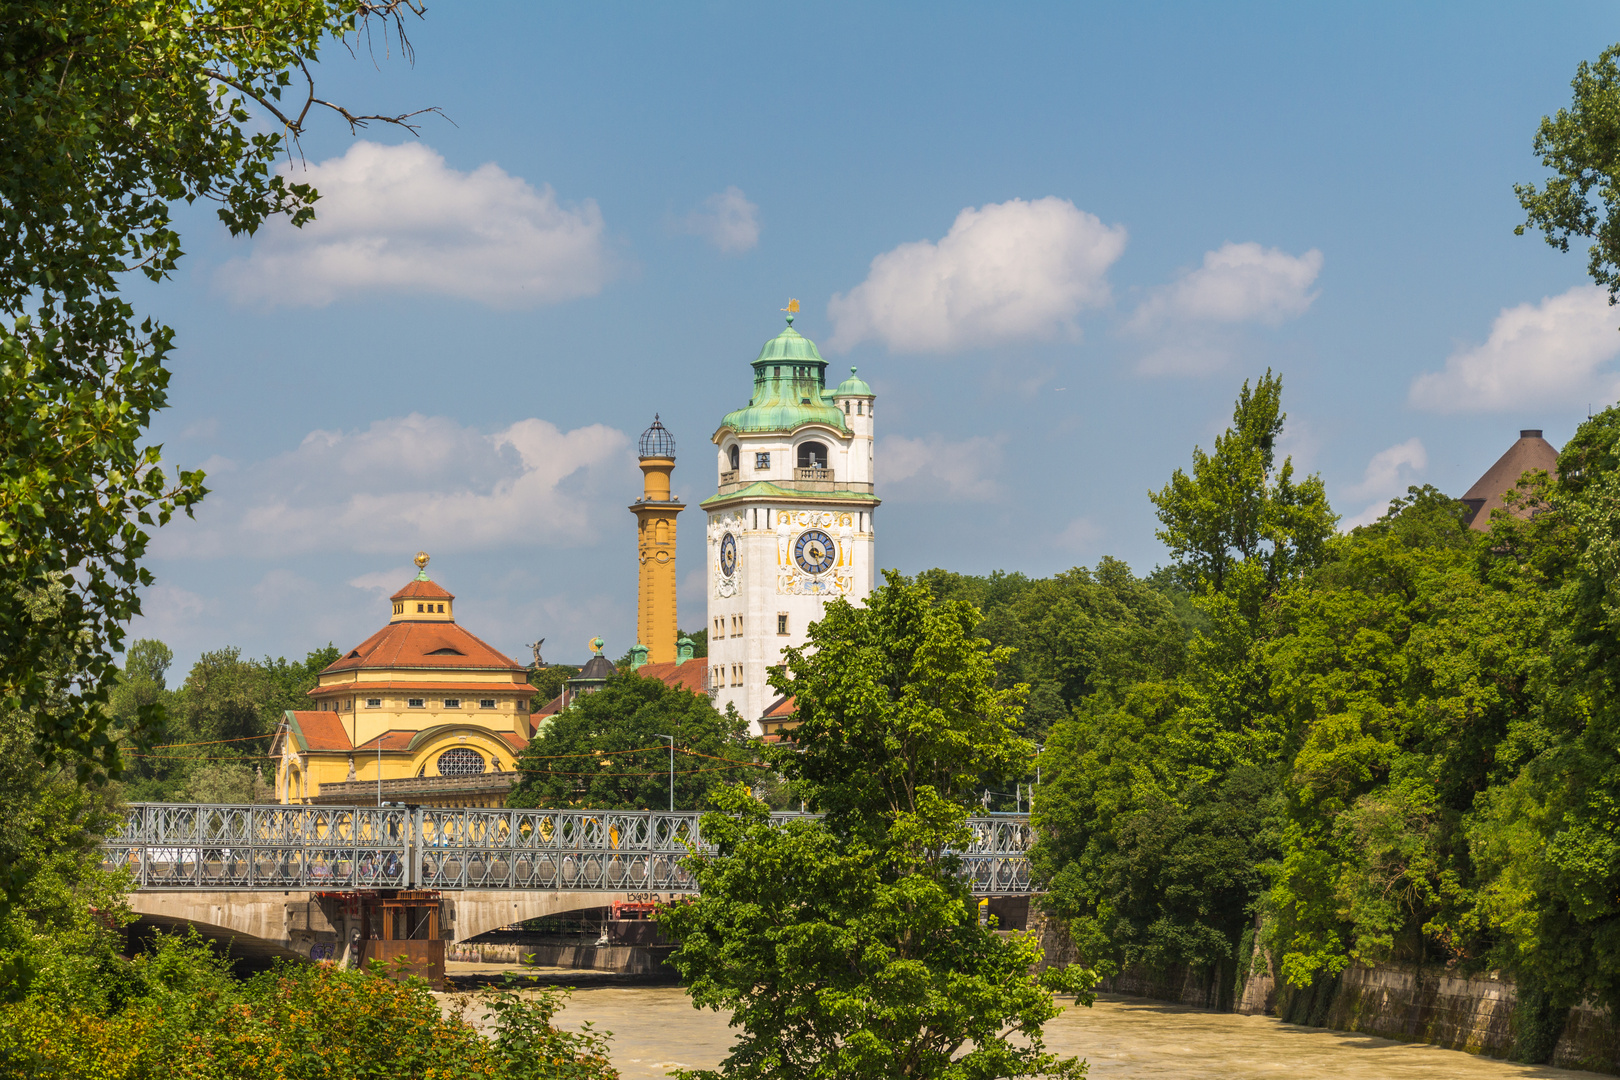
<point x="792" y="308"/>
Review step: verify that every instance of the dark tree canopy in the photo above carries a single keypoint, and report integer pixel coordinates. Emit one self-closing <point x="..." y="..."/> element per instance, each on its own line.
<point x="605" y="752"/>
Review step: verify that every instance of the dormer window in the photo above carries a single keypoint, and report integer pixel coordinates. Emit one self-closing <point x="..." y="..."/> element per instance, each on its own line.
<point x="812" y="455"/>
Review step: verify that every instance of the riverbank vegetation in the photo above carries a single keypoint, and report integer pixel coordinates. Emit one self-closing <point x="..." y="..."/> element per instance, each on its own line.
<point x="1394" y="743"/>
<point x="179" y="1012"/>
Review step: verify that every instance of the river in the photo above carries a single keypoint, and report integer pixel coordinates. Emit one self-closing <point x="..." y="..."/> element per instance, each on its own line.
<point x="655" y="1029"/>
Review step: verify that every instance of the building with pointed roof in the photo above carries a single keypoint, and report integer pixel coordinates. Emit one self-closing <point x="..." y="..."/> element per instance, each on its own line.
<point x="1530" y="453"/>
<point x="420" y="712"/>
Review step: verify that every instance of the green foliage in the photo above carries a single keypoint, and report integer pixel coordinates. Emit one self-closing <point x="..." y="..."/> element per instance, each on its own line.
<point x="700" y="642"/>
<point x="1581" y="145"/>
<point x="1071" y="635"/>
<point x="113" y="111"/>
<point x="219" y="723"/>
<point x="605" y="752"/>
<point x="181" y="1014"/>
<point x="1156" y="817"/>
<point x="849" y="946"/>
<point x="530" y="1048"/>
<point x="1235" y="516"/>
<point x="548" y="683"/>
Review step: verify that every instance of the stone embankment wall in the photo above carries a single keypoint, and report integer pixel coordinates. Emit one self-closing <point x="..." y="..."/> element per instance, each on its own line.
<point x="1480" y="1013"/>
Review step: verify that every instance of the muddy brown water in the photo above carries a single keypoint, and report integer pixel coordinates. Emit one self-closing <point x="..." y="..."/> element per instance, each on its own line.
<point x="656" y="1029"/>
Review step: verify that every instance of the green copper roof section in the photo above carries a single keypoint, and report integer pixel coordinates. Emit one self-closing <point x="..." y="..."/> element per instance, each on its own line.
<point x="852" y="385"/>
<point x="790" y="388"/>
<point x="764" y="489"/>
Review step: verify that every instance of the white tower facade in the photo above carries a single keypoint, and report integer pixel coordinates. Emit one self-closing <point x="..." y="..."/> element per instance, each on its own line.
<point x="790" y="526"/>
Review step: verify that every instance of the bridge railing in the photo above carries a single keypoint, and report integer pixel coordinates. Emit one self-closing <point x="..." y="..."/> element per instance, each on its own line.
<point x="190" y="846"/>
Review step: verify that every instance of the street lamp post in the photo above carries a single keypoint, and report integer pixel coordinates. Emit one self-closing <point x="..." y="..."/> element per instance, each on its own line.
<point x="671" y="740"/>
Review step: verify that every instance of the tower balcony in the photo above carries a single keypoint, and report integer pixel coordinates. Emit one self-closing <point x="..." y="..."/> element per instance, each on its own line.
<point x="805" y="480"/>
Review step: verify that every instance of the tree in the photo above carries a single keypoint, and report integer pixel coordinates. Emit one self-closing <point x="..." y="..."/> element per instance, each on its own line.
<point x="112" y="112"/>
<point x="1233" y="515"/>
<point x="848" y="946"/>
<point x="605" y="752"/>
<point x="1581" y="144"/>
<point x="219" y="723"/>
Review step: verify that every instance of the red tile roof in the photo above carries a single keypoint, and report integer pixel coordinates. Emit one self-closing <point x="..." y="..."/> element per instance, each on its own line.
<point x="424" y="645"/>
<point x="320" y="730"/>
<point x="391" y="740"/>
<point x="423" y="590"/>
<point x="692" y="675"/>
<point x="550" y="708"/>
<point x="514" y="740"/>
<point x="781" y="708"/>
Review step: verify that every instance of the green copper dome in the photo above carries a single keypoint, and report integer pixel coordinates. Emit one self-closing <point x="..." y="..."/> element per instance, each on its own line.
<point x="790" y="388"/>
<point x="852" y="385"/>
<point x="789" y="346"/>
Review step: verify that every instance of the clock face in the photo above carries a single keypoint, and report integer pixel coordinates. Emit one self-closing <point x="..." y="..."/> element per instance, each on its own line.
<point x="815" y="551"/>
<point x="728" y="555"/>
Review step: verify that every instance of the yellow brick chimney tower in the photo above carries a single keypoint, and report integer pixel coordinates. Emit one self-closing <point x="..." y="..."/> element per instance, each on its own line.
<point x="657" y="621"/>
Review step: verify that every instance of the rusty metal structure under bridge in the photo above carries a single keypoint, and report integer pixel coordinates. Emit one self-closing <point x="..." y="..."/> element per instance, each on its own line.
<point x="169" y="846"/>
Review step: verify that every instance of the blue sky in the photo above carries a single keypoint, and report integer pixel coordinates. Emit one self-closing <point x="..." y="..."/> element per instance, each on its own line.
<point x="1054" y="238"/>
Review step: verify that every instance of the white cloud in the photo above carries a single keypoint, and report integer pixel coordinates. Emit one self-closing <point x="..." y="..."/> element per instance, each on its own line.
<point x="414" y="482"/>
<point x="385" y="582"/>
<point x="936" y="467"/>
<point x="727" y="220"/>
<point x="1005" y="271"/>
<point x="1191" y="320"/>
<point x="1079" y="535"/>
<point x="1390" y="472"/>
<point x="1237" y="283"/>
<point x="1536" y="355"/>
<point x="397" y="219"/>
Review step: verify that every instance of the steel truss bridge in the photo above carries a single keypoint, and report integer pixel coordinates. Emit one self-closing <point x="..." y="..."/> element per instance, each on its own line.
<point x="173" y="846"/>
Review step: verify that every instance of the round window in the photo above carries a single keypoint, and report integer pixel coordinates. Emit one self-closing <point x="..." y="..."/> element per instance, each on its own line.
<point x="461" y="762"/>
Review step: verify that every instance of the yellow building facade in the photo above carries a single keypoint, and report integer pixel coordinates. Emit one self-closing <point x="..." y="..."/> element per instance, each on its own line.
<point x="657" y="615"/>
<point x="421" y="712"/>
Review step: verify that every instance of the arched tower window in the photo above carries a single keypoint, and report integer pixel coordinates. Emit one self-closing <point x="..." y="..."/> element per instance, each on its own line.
<point x="812" y="455"/>
<point x="736" y="457"/>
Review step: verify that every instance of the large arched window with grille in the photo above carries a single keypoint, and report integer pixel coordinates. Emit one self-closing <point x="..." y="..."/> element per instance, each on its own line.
<point x="461" y="761"/>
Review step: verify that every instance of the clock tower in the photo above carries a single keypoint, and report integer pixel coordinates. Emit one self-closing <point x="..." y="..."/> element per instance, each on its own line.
<point x="790" y="526"/>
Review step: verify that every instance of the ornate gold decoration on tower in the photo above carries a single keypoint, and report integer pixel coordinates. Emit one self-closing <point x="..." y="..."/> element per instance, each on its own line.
<point x="657" y="620"/>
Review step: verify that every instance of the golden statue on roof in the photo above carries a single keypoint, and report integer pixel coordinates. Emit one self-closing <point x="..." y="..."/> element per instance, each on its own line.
<point x="792" y="308"/>
<point x="422" y="560"/>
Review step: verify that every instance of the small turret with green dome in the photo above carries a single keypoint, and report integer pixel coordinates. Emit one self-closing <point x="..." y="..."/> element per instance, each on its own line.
<point x="853" y="387"/>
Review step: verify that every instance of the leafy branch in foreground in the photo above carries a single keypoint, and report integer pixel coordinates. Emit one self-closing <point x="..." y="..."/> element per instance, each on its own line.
<point x="110" y="112"/>
<point x="850" y="946"/>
